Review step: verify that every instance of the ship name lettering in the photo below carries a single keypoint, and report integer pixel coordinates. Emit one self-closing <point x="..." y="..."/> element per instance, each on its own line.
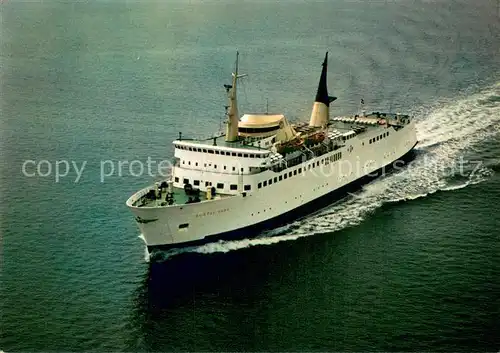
<point x="212" y="213"/>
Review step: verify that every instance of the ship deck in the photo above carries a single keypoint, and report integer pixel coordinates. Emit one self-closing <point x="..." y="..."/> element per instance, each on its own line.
<point x="143" y="198"/>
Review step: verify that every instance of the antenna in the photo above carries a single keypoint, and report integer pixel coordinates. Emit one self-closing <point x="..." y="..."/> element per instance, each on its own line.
<point x="267" y="106"/>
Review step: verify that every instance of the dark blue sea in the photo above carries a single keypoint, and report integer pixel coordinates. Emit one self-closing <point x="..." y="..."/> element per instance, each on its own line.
<point x="411" y="262"/>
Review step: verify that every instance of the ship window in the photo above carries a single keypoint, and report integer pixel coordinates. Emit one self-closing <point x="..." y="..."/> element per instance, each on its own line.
<point x="245" y="155"/>
<point x="300" y="170"/>
<point x="233" y="187"/>
<point x="196" y="163"/>
<point x="207" y="183"/>
<point x="189" y="162"/>
<point x="265" y="183"/>
<point x="183" y="225"/>
<point x="211" y="151"/>
<point x="186" y="181"/>
<point x="285" y="176"/>
<point x="217" y="152"/>
<point x="224" y="167"/>
<point x="220" y="186"/>
<point x="234" y="169"/>
<point x="295" y="172"/>
<point x="247" y="187"/>
<point x="387" y="133"/>
<point x="204" y="151"/>
<point x="252" y="156"/>
<point x="275" y="179"/>
<point x="196" y="182"/>
<point x="176" y="179"/>
<point x="280" y="178"/>
<point x="317" y="163"/>
<point x="242" y="170"/>
<point x="183" y="162"/>
<point x="233" y="154"/>
<point x="240" y="155"/>
<point x="215" y="166"/>
<point x="270" y="181"/>
<point x="259" y="185"/>
<point x="290" y="174"/>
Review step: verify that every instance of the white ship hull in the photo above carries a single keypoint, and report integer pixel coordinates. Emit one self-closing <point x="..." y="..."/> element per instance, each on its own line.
<point x="319" y="182"/>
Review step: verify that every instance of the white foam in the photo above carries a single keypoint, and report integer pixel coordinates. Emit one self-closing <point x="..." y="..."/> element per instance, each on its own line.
<point x="444" y="133"/>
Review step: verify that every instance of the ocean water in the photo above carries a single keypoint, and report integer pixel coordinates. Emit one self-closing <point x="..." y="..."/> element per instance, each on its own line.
<point x="411" y="262"/>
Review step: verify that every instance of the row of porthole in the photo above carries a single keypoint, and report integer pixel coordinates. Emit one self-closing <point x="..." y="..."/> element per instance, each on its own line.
<point x="326" y="160"/>
<point x="234" y="154"/>
<point x="321" y="186"/>
<point x="210" y="165"/>
<point x="380" y="137"/>
<point x="300" y="196"/>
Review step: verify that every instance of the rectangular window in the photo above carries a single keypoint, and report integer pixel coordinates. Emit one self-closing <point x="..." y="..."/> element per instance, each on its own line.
<point x="300" y="170"/>
<point x="211" y="151"/>
<point x="196" y="182"/>
<point x="290" y="174"/>
<point x="245" y="155"/>
<point x="216" y="152"/>
<point x="233" y="187"/>
<point x="295" y="172"/>
<point x="176" y="179"/>
<point x="240" y="155"/>
<point x="185" y="181"/>
<point x="259" y="185"/>
<point x="220" y="186"/>
<point x="247" y="187"/>
<point x="275" y="179"/>
<point x="234" y="169"/>
<point x="270" y="182"/>
<point x="233" y="154"/>
<point x="285" y="176"/>
<point x="215" y="166"/>
<point x="183" y="225"/>
<point x="207" y="183"/>
<point x="280" y="178"/>
<point x="204" y="151"/>
<point x="265" y="183"/>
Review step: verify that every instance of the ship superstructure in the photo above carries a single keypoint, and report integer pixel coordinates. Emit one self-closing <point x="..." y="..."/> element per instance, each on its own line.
<point x="265" y="171"/>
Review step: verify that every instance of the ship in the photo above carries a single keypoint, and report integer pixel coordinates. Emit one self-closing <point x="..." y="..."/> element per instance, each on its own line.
<point x="264" y="172"/>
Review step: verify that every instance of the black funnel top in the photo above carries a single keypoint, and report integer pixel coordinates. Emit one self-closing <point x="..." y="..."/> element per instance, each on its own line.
<point x="322" y="94"/>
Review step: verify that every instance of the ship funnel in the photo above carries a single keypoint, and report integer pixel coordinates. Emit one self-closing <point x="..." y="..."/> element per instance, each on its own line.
<point x="320" y="111"/>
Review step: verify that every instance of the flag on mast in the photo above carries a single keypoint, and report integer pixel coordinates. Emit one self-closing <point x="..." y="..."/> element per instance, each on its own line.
<point x="362" y="101"/>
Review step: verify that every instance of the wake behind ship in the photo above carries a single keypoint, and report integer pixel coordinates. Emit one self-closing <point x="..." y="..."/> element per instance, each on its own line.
<point x="265" y="171"/>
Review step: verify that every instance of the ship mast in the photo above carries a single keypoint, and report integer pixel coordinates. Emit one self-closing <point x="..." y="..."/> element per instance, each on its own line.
<point x="232" y="108"/>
